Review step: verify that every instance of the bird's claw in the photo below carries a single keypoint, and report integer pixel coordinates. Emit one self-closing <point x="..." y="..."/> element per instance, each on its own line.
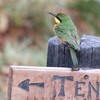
<point x="69" y="46"/>
<point x="75" y="69"/>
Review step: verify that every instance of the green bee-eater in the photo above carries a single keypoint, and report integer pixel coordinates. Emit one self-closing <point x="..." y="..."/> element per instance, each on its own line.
<point x="66" y="31"/>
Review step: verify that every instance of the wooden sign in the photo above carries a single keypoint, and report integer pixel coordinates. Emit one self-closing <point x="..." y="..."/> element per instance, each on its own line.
<point x="42" y="83"/>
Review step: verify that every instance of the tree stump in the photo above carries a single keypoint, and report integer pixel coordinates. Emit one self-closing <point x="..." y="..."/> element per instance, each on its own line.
<point x="88" y="56"/>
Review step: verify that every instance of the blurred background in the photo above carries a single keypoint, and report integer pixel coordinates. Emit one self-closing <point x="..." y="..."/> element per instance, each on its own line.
<point x="26" y="26"/>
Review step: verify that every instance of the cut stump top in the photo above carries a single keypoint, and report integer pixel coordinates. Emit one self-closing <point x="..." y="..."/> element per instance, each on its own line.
<point x="88" y="56"/>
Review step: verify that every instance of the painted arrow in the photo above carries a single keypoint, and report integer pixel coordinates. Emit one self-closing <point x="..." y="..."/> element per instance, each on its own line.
<point x="25" y="85"/>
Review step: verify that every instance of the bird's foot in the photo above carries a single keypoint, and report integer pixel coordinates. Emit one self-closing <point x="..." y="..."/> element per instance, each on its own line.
<point x="63" y="42"/>
<point x="75" y="68"/>
<point x="66" y="44"/>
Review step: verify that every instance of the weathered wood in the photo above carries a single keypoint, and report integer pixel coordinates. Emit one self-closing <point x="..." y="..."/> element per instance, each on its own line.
<point x="50" y="83"/>
<point x="10" y="83"/>
<point x="89" y="55"/>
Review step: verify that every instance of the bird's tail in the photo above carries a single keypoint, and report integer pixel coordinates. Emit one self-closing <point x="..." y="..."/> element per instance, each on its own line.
<point x="74" y="59"/>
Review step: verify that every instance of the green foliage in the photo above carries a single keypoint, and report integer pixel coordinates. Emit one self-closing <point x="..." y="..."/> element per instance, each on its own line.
<point x="28" y="13"/>
<point x="89" y="11"/>
<point x="22" y="54"/>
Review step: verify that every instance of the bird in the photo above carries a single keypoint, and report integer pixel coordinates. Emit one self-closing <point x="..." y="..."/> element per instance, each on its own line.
<point x="66" y="31"/>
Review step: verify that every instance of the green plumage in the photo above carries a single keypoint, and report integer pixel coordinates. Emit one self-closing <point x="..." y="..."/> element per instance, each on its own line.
<point x="67" y="32"/>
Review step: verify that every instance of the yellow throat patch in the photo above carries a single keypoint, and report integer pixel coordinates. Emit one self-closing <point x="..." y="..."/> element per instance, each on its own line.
<point x="57" y="21"/>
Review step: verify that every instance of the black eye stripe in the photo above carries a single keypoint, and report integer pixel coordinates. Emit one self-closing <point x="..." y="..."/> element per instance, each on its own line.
<point x="58" y="18"/>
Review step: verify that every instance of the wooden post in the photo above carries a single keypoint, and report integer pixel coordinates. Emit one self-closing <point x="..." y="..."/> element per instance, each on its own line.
<point x="89" y="55"/>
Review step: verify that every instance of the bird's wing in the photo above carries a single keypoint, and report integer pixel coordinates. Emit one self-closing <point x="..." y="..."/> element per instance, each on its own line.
<point x="70" y="35"/>
<point x="73" y="39"/>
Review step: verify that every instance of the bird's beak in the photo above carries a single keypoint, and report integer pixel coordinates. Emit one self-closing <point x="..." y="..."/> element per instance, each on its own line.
<point x="52" y="14"/>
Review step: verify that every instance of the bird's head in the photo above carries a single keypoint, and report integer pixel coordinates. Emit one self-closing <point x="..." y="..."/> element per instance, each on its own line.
<point x="60" y="17"/>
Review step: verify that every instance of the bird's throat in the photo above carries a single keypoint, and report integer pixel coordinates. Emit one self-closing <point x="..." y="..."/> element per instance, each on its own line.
<point x="57" y="21"/>
<point x="54" y="27"/>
